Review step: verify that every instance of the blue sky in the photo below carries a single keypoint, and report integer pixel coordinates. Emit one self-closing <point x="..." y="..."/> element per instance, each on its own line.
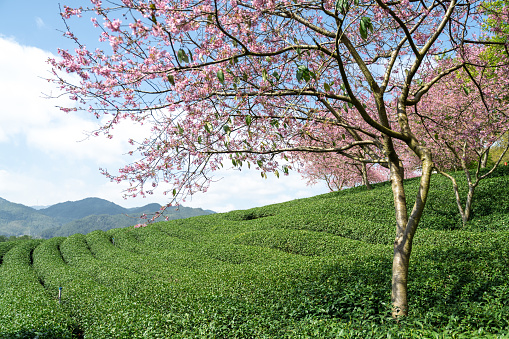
<point x="45" y="154"/>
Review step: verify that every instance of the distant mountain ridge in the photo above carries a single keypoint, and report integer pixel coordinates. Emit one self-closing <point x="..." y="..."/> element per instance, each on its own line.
<point x="74" y="210"/>
<point x="82" y="216"/>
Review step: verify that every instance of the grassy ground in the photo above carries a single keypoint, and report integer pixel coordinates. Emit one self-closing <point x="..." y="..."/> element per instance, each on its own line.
<point x="310" y="268"/>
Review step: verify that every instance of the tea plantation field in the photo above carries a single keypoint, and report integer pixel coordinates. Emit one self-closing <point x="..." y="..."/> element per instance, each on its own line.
<point x="310" y="268"/>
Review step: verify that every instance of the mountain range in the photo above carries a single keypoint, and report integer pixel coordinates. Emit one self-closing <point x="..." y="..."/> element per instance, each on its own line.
<point x="81" y="216"/>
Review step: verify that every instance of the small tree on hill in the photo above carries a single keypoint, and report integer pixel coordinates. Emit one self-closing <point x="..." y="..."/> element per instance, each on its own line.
<point x="259" y="82"/>
<point x="465" y="123"/>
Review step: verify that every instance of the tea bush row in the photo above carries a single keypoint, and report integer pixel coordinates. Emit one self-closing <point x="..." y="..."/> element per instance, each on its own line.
<point x="26" y="309"/>
<point x="100" y="307"/>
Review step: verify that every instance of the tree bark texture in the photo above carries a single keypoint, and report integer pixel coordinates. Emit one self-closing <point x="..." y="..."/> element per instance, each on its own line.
<point x="406" y="225"/>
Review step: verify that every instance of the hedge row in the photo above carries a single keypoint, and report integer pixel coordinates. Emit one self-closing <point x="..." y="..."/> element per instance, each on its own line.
<point x="26" y="309"/>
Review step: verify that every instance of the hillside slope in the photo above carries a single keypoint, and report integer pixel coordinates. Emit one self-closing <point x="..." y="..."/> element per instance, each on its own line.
<point x="17" y="219"/>
<point x="81" y="216"/>
<point x="74" y="210"/>
<point x="309" y="268"/>
<point x="106" y="222"/>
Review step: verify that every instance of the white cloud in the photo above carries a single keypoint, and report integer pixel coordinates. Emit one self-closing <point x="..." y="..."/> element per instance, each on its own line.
<point x="246" y="189"/>
<point x="27" y="115"/>
<point x="30" y="189"/>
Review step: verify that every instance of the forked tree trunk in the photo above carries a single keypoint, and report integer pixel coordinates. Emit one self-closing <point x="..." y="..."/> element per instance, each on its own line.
<point x="464" y="212"/>
<point x="405" y="230"/>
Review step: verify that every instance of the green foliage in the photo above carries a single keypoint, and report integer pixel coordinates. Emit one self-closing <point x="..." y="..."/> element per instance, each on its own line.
<point x="310" y="268"/>
<point x="26" y="310"/>
<point x="16" y="219"/>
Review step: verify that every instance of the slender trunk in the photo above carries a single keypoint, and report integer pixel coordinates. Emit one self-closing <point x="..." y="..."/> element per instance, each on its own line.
<point x="401" y="257"/>
<point x="484" y="158"/>
<point x="464" y="213"/>
<point x="365" y="179"/>
<point x="468" y="203"/>
<point x="406" y="227"/>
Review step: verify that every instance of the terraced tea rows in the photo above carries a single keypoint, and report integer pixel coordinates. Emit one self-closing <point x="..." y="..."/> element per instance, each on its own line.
<point x="317" y="267"/>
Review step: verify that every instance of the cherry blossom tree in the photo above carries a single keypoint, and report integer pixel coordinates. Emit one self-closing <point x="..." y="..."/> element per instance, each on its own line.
<point x="337" y="170"/>
<point x="260" y="82"/>
<point x="339" y="173"/>
<point x="467" y="113"/>
<point x="461" y="118"/>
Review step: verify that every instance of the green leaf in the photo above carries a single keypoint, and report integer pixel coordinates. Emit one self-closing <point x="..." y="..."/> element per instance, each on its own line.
<point x="171" y="79"/>
<point x="276" y="75"/>
<point x="276" y="172"/>
<point x="326" y="87"/>
<point x="260" y="163"/>
<point x="182" y="56"/>
<point x="227" y="129"/>
<point x="265" y="76"/>
<point x="174" y="192"/>
<point x="208" y="127"/>
<point x="342" y="6"/>
<point x="248" y="120"/>
<point x="190" y="55"/>
<point x="303" y="73"/>
<point x="220" y="76"/>
<point x="364" y="26"/>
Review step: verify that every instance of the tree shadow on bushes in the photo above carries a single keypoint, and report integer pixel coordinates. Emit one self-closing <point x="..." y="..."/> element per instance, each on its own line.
<point x="44" y="333"/>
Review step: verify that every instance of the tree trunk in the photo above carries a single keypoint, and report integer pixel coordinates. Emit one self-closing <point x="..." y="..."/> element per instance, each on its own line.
<point x="400" y="265"/>
<point x="464" y="213"/>
<point x="405" y="229"/>
<point x="401" y="246"/>
<point x="468" y="204"/>
<point x="365" y="179"/>
<point x="484" y="159"/>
